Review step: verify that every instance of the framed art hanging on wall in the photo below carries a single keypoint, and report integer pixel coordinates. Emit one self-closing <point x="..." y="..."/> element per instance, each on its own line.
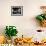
<point x="16" y="10"/>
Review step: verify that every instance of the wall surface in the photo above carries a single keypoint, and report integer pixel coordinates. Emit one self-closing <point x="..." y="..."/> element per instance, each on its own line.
<point x="25" y="24"/>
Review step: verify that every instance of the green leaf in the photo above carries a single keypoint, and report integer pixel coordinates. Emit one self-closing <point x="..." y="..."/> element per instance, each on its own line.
<point x="10" y="31"/>
<point x="40" y="18"/>
<point x="45" y="16"/>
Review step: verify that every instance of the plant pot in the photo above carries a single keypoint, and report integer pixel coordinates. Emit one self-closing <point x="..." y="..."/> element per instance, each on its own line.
<point x="13" y="38"/>
<point x="43" y="23"/>
<point x="9" y="41"/>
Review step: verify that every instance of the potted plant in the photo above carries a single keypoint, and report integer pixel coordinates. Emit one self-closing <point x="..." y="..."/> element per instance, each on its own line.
<point x="10" y="31"/>
<point x="42" y="17"/>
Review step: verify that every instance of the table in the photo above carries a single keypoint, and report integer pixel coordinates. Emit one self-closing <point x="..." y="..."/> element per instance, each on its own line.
<point x="25" y="44"/>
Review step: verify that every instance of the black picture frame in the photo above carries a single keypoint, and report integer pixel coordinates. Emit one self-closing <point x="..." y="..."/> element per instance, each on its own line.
<point x="16" y="10"/>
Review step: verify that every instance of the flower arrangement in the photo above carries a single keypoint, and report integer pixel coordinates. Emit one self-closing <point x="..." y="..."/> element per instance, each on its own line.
<point x="11" y="31"/>
<point x="42" y="19"/>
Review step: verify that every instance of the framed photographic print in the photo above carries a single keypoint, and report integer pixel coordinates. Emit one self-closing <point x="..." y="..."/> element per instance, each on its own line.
<point x="16" y="10"/>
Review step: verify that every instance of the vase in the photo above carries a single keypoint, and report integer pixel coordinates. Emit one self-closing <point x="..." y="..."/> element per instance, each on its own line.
<point x="43" y="23"/>
<point x="9" y="41"/>
<point x="13" y="38"/>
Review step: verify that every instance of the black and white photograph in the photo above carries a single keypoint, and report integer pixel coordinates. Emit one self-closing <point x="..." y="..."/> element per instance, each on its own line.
<point x="16" y="10"/>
